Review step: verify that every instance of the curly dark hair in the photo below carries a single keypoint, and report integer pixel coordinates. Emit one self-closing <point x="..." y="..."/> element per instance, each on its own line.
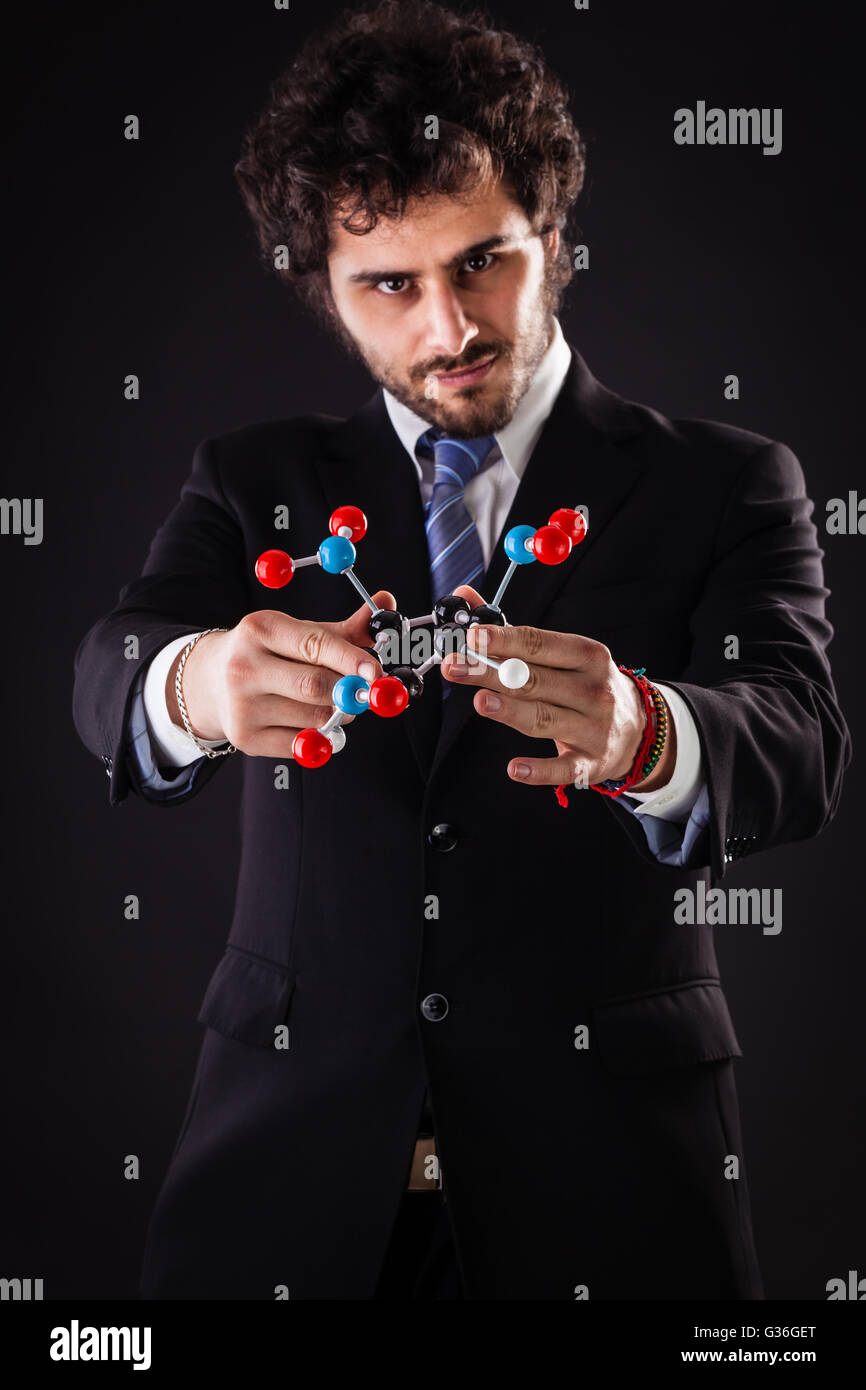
<point x="344" y="132"/>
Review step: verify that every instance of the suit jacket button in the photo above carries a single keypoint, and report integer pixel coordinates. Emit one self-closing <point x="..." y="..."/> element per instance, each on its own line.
<point x="107" y="762"/>
<point x="434" y="1007"/>
<point x="443" y="837"/>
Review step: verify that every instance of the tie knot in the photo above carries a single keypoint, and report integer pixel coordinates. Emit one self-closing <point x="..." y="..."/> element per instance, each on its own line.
<point x="456" y="460"/>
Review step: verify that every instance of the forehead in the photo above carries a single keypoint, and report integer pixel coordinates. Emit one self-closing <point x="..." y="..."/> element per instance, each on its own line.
<point x="433" y="229"/>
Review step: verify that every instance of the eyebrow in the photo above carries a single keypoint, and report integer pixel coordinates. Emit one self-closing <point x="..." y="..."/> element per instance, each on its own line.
<point x="372" y="277"/>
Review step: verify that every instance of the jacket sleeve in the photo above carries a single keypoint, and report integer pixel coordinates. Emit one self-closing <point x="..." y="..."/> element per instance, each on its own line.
<point x="774" y="742"/>
<point x="193" y="578"/>
<point x="152" y="781"/>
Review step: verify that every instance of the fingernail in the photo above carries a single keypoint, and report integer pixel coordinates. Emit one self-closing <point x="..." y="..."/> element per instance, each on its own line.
<point x="457" y="668"/>
<point x="367" y="670"/>
<point x="520" y="770"/>
<point x="493" y="702"/>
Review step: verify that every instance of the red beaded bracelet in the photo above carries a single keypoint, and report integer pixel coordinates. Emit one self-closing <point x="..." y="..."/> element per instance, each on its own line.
<point x="636" y="774"/>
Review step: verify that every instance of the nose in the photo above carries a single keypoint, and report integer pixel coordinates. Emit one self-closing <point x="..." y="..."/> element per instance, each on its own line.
<point x="448" y="328"/>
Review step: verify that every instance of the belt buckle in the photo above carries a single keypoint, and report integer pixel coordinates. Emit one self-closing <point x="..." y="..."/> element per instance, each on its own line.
<point x="425" y="1161"/>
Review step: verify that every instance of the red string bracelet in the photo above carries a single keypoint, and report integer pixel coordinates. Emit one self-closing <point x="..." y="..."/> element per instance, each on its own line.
<point x="617" y="788"/>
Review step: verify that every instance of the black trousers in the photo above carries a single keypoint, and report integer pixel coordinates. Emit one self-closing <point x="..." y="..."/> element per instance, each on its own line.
<point x="420" y="1261"/>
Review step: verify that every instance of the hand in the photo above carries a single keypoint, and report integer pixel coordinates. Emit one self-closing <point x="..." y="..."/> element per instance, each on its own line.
<point x="262" y="681"/>
<point x="575" y="696"/>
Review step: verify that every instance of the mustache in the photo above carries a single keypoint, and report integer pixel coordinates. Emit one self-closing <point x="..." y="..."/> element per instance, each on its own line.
<point x="464" y="366"/>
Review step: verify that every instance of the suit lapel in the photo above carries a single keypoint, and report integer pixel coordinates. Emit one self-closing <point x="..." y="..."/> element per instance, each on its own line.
<point x="579" y="459"/>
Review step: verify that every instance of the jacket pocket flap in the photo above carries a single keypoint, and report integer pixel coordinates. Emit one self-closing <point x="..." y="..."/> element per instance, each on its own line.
<point x="674" y="1028"/>
<point x="247" y="998"/>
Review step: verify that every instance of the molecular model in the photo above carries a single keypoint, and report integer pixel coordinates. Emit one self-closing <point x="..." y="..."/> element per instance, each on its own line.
<point x="390" y="694"/>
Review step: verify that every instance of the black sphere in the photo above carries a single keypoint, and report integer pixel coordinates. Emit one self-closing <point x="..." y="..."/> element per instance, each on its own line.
<point x="484" y="613"/>
<point x="412" y="681"/>
<point x="445" y="610"/>
<point x="386" y="620"/>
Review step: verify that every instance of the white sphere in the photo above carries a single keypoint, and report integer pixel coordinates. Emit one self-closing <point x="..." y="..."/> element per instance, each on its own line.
<point x="513" y="673"/>
<point x="337" y="738"/>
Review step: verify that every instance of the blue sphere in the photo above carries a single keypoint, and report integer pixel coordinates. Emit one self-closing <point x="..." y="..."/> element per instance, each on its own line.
<point x="344" y="694"/>
<point x="336" y="553"/>
<point x="515" y="547"/>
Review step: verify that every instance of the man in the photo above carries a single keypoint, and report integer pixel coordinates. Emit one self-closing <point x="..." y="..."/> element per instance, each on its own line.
<point x="459" y="1045"/>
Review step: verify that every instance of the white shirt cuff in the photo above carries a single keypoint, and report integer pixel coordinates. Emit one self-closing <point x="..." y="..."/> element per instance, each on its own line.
<point x="172" y="747"/>
<point x="675" y="800"/>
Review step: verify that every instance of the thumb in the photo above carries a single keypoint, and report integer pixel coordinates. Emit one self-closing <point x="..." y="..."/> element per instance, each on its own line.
<point x="466" y="591"/>
<point x="356" y="629"/>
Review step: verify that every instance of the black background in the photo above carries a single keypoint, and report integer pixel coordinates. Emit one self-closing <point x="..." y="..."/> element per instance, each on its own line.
<point x="126" y="257"/>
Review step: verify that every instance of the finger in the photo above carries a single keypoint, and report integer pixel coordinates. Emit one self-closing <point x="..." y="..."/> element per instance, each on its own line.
<point x="576" y="768"/>
<point x="564" y="650"/>
<point x="279" y="712"/>
<point x="568" y="689"/>
<point x="537" y="718"/>
<point x="295" y="681"/>
<point x="464" y="668"/>
<point x="356" y="627"/>
<point x="466" y="591"/>
<point x="272" y="741"/>
<point x="315" y="643"/>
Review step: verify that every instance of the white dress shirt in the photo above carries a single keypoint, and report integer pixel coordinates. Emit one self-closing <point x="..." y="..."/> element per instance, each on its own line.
<point x="488" y="497"/>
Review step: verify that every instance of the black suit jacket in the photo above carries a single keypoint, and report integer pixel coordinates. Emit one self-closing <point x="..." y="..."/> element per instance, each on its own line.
<point x="600" y="1168"/>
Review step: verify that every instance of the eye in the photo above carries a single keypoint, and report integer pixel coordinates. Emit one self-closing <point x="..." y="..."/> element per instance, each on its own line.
<point x="392" y="280"/>
<point x="481" y="256"/>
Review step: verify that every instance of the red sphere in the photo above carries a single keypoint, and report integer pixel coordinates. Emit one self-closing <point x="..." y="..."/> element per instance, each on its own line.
<point x="274" y="569"/>
<point x="310" y="748"/>
<point x="388" y="696"/>
<point x="571" y="522"/>
<point x="550" y="545"/>
<point x="352" y="517"/>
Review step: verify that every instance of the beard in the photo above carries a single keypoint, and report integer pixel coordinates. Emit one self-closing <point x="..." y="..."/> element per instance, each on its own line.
<point x="480" y="411"/>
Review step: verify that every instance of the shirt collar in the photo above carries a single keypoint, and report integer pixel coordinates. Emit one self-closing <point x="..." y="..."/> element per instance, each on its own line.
<point x="520" y="436"/>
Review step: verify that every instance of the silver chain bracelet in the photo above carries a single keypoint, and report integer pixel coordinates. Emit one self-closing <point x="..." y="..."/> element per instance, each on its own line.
<point x="181" y="703"/>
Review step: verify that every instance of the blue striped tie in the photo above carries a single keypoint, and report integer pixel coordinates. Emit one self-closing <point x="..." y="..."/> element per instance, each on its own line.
<point x="455" y="550"/>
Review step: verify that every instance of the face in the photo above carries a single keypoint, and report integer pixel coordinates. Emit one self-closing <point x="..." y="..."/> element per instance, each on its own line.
<point x="450" y="307"/>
